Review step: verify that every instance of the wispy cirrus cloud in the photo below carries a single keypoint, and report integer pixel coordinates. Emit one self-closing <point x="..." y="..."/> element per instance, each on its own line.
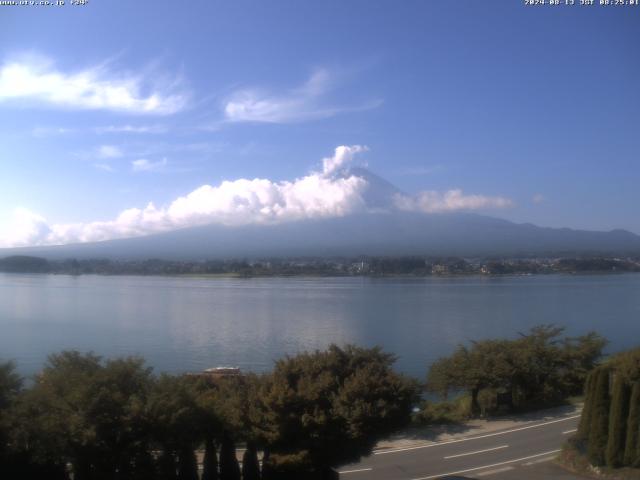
<point x="41" y="131"/>
<point x="36" y="80"/>
<point x="304" y="103"/>
<point x="109" y="151"/>
<point x="140" y="129"/>
<point x="105" y="167"/>
<point x="145" y="165"/>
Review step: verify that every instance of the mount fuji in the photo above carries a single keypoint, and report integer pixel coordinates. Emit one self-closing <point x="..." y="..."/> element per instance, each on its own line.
<point x="383" y="229"/>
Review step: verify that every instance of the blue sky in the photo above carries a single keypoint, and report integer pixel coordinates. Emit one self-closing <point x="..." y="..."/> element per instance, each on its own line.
<point x="526" y="113"/>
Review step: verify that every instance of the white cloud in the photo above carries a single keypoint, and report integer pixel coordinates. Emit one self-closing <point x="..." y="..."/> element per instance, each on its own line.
<point x="109" y="151"/>
<point x="237" y="202"/>
<point x="298" y="105"/>
<point x="105" y="167"/>
<point x="25" y="228"/>
<point x="244" y="201"/>
<point x="36" y="79"/>
<point x="341" y="157"/>
<point x="449" y="201"/>
<point x="144" y="165"/>
<point x="151" y="129"/>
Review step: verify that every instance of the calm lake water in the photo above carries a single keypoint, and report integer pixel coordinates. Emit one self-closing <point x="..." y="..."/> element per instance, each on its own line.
<point x="184" y="324"/>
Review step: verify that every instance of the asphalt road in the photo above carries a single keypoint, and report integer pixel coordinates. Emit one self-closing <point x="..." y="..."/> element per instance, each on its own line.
<point x="479" y="456"/>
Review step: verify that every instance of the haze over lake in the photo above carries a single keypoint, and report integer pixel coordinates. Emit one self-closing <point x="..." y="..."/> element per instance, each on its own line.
<point x="185" y="324"/>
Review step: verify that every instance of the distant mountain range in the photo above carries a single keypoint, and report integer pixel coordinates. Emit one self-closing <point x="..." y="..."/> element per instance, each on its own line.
<point x="384" y="231"/>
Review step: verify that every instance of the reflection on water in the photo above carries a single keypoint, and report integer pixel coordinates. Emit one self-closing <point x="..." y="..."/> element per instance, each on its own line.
<point x="181" y="324"/>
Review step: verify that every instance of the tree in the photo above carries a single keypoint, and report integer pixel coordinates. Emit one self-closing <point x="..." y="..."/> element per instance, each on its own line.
<point x="90" y="414"/>
<point x="187" y="464"/>
<point x="10" y="386"/>
<point x="597" y="440"/>
<point x="632" y="442"/>
<point x="585" y="418"/>
<point x="487" y="364"/>
<point x="250" y="465"/>
<point x="580" y="355"/>
<point x="210" y="461"/>
<point x="618" y="422"/>
<point x="536" y="369"/>
<point x="229" y="467"/>
<point x="175" y="424"/>
<point x="327" y="408"/>
<point x="610" y="425"/>
<point x="117" y="414"/>
<point x="58" y="405"/>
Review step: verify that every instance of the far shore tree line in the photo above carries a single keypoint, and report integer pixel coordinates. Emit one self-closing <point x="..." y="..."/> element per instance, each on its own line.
<point x="339" y="266"/>
<point x="312" y="413"/>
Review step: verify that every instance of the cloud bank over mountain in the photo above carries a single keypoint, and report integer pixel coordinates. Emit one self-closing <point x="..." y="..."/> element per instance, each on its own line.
<point x="333" y="192"/>
<point x="449" y="201"/>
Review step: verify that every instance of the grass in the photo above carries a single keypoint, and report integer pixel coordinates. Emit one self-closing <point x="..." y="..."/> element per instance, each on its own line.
<point x="573" y="458"/>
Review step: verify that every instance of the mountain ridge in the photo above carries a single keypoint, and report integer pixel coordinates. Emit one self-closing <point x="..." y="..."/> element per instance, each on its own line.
<point x="382" y="230"/>
<point x="398" y="233"/>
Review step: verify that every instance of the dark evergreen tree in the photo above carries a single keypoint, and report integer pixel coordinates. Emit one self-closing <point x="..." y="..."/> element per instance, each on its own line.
<point x="187" y="464"/>
<point x="267" y="469"/>
<point x="585" y="419"/>
<point x="229" y="467"/>
<point x="632" y="443"/>
<point x="599" y="418"/>
<point x="618" y="416"/>
<point x="210" y="461"/>
<point x="167" y="466"/>
<point x="144" y="466"/>
<point x="250" y="465"/>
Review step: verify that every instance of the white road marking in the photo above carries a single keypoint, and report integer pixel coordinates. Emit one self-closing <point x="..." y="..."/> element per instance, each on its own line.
<point x="540" y="460"/>
<point x="487" y="466"/>
<point x="494" y="471"/>
<point x="566" y="432"/>
<point x="448" y="442"/>
<point x="355" y="471"/>
<point x="477" y="451"/>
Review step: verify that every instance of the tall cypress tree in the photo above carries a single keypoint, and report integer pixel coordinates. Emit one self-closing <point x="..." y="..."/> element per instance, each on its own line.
<point x="599" y="418"/>
<point x="187" y="465"/>
<point x="210" y="461"/>
<point x="267" y="469"/>
<point x="229" y="467"/>
<point x="585" y="419"/>
<point x="632" y="444"/>
<point x="250" y="465"/>
<point x="167" y="466"/>
<point x="618" y="422"/>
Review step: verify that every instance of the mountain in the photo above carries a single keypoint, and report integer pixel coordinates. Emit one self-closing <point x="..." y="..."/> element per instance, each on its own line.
<point x="384" y="231"/>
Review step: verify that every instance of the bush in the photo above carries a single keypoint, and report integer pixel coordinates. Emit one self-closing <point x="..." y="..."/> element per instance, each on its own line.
<point x="439" y="413"/>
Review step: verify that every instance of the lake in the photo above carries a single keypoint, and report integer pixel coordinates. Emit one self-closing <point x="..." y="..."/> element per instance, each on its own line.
<point x="187" y="324"/>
